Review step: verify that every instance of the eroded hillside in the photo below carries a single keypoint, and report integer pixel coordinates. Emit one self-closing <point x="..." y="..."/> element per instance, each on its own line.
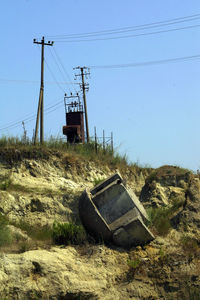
<point x="40" y="186"/>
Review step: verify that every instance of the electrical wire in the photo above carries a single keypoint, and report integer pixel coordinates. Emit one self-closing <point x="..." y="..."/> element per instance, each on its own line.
<point x="64" y="69"/>
<point x="52" y="74"/>
<point x="61" y="105"/>
<point x="148" y="63"/>
<point x="131" y="28"/>
<point x="55" y="60"/>
<point x="128" y="36"/>
<point x="57" y="105"/>
<point x="30" y="118"/>
<point x="34" y="81"/>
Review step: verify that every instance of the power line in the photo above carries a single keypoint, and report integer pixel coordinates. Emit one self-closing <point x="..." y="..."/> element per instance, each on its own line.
<point x="129" y="36"/>
<point x="30" y="118"/>
<point x="148" y="63"/>
<point x="35" y="81"/>
<point x="132" y="28"/>
<point x="55" y="60"/>
<point x="52" y="74"/>
<point x="17" y="124"/>
<point x="64" y="69"/>
<point x="61" y="105"/>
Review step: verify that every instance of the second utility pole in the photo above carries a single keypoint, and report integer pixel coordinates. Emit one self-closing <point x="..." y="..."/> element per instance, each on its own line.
<point x="84" y="87"/>
<point x="40" y="111"/>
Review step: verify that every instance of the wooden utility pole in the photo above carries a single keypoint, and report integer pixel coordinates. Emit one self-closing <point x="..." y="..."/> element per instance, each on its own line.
<point x="112" y="147"/>
<point x="84" y="87"/>
<point x="40" y="111"/>
<point x="95" y="136"/>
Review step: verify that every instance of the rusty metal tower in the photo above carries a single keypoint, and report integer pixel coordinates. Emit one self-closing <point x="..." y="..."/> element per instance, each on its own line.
<point x="74" y="129"/>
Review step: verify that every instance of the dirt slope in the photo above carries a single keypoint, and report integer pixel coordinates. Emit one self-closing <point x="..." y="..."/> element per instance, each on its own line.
<point x="39" y="189"/>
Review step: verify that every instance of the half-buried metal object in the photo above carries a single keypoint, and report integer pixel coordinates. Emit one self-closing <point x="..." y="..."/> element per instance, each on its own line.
<point x="110" y="212"/>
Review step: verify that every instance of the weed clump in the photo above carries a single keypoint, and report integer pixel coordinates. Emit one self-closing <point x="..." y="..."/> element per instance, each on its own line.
<point x="68" y="234"/>
<point x="5" y="183"/>
<point x="163" y="256"/>
<point x="98" y="181"/>
<point x="189" y="245"/>
<point x="33" y="231"/>
<point x="160" y="218"/>
<point x="5" y="235"/>
<point x="134" y="267"/>
<point x="133" y="263"/>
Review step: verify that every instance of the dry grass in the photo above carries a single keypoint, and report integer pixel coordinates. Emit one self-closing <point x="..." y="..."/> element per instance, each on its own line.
<point x="13" y="150"/>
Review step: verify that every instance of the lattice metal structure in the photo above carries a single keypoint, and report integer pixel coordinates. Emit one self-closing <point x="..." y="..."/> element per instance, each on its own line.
<point x="74" y="129"/>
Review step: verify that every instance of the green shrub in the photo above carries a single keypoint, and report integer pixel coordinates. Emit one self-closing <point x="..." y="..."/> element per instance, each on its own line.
<point x="135" y="266"/>
<point x="134" y="263"/>
<point x="192" y="292"/>
<point x="163" y="256"/>
<point x="38" y="233"/>
<point x="159" y="219"/>
<point x="5" y="183"/>
<point x="177" y="202"/>
<point x="5" y="235"/>
<point x="24" y="246"/>
<point x="98" y="181"/>
<point x="68" y="233"/>
<point x="189" y="245"/>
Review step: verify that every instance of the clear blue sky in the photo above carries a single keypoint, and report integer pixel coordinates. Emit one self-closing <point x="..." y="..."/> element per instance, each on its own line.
<point x="153" y="111"/>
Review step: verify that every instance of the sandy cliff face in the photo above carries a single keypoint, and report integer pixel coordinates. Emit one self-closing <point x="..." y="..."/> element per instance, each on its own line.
<point x="40" y="190"/>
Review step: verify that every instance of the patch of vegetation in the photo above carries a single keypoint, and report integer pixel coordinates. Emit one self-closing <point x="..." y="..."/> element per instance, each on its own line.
<point x="176" y="203"/>
<point x="190" y="245"/>
<point x="163" y="256"/>
<point x="193" y="293"/>
<point x="97" y="181"/>
<point x="78" y="296"/>
<point x="5" y="183"/>
<point x="5" y="235"/>
<point x="68" y="233"/>
<point x="134" y="263"/>
<point x="40" y="233"/>
<point x="167" y="171"/>
<point x="160" y="218"/>
<point x="24" y="246"/>
<point x="14" y="149"/>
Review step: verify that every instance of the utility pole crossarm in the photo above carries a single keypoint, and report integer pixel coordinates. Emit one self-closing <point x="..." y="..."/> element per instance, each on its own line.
<point x="43" y="42"/>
